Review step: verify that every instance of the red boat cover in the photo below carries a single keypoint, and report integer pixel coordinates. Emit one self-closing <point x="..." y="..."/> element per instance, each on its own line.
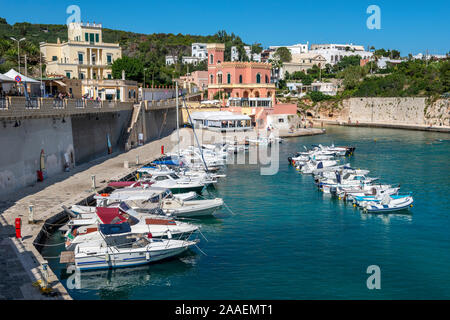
<point x="123" y="184"/>
<point x="110" y="215"/>
<point x="120" y="184"/>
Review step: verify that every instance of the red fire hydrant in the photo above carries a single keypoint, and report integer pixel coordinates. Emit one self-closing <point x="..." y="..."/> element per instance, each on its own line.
<point x="18" y="228"/>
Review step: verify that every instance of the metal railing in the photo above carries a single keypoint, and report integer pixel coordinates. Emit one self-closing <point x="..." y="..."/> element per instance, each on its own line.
<point x="58" y="103"/>
<point x="3" y="103"/>
<point x="79" y="103"/>
<point x="32" y="103"/>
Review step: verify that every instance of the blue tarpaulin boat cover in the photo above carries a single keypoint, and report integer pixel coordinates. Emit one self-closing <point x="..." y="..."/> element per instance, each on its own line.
<point x="167" y="162"/>
<point x="111" y="229"/>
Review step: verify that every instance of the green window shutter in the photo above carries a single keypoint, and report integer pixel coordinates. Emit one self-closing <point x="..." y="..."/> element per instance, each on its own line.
<point x="86" y="36"/>
<point x="97" y="38"/>
<point x="68" y="75"/>
<point x="118" y="94"/>
<point x="91" y="37"/>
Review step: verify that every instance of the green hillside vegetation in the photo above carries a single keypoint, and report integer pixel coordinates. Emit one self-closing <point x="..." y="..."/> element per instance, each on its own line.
<point x="148" y="50"/>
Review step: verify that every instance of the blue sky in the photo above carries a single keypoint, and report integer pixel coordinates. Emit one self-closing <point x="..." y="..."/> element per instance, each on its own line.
<point x="409" y="26"/>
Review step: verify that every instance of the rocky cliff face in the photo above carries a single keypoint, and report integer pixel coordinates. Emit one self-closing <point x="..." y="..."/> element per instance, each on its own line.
<point x="437" y="113"/>
<point x="405" y="111"/>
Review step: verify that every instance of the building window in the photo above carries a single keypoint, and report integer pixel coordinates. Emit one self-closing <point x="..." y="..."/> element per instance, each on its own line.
<point x="212" y="79"/>
<point x="86" y="36"/>
<point x="109" y="76"/>
<point x="97" y="37"/>
<point x="68" y="75"/>
<point x="267" y="79"/>
<point x="80" y="58"/>
<point x="109" y="59"/>
<point x="228" y="78"/>
<point x="81" y="76"/>
<point x="92" y="37"/>
<point x="54" y="58"/>
<point x="258" y="78"/>
<point x="219" y="78"/>
<point x="240" y="79"/>
<point x="211" y="59"/>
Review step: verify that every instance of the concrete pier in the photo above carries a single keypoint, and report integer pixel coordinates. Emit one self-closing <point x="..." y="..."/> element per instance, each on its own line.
<point x="21" y="263"/>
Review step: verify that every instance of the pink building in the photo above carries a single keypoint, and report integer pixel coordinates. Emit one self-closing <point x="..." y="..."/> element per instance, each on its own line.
<point x="237" y="79"/>
<point x="246" y="86"/>
<point x="198" y="78"/>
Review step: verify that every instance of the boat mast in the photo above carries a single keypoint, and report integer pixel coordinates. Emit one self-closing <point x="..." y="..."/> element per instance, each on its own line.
<point x="178" y="120"/>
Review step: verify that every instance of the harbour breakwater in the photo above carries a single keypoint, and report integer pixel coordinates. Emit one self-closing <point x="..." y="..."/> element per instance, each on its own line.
<point x="411" y="113"/>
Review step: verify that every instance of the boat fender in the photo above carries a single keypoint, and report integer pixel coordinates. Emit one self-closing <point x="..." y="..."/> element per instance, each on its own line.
<point x="411" y="206"/>
<point x="107" y="257"/>
<point x="105" y="194"/>
<point x="147" y="256"/>
<point x="149" y="235"/>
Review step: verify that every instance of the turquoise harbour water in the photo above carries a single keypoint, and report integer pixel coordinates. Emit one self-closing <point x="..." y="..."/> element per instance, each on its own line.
<point x="286" y="240"/>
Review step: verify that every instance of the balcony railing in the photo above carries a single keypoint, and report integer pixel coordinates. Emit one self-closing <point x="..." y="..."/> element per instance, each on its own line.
<point x="19" y="107"/>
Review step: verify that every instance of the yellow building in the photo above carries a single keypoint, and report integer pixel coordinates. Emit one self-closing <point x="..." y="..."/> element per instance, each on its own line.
<point x="87" y="58"/>
<point x="83" y="56"/>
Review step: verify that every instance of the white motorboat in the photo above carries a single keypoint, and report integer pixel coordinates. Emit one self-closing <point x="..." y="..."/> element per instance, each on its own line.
<point x="171" y="180"/>
<point x="193" y="208"/>
<point x="120" y="248"/>
<point x="310" y="166"/>
<point x="85" y="226"/>
<point x="388" y="204"/>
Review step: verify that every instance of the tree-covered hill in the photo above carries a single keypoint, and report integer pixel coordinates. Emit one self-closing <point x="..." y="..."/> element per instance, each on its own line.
<point x="149" y="49"/>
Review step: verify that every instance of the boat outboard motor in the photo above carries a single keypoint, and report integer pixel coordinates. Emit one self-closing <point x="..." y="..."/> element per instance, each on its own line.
<point x="69" y="212"/>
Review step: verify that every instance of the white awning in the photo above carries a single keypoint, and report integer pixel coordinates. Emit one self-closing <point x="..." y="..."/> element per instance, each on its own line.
<point x="62" y="84"/>
<point x="4" y="78"/>
<point x="13" y="74"/>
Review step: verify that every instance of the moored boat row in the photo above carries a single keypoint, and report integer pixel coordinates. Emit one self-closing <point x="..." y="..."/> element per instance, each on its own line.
<point x="347" y="183"/>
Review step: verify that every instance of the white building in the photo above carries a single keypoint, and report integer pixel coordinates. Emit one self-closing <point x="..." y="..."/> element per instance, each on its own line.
<point x="192" y="60"/>
<point x="343" y="47"/>
<point x="221" y="121"/>
<point x="327" y="88"/>
<point x="184" y="60"/>
<point x="248" y="51"/>
<point x="294" y="49"/>
<point x="382" y="62"/>
<point x="171" y="60"/>
<point x="334" y="53"/>
<point x="422" y="56"/>
<point x="199" y="50"/>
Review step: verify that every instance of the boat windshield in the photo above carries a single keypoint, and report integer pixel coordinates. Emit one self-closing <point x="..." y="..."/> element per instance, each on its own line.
<point x="127" y="242"/>
<point x="167" y="194"/>
<point x="174" y="176"/>
<point x="124" y="206"/>
<point x="154" y="199"/>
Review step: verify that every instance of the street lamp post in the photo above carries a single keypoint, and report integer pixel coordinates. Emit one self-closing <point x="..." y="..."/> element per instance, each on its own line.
<point x="18" y="50"/>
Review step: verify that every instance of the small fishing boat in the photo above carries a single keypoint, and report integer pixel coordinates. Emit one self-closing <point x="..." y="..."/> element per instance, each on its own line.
<point x="84" y="227"/>
<point x="118" y="248"/>
<point x="388" y="204"/>
<point x="193" y="208"/>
